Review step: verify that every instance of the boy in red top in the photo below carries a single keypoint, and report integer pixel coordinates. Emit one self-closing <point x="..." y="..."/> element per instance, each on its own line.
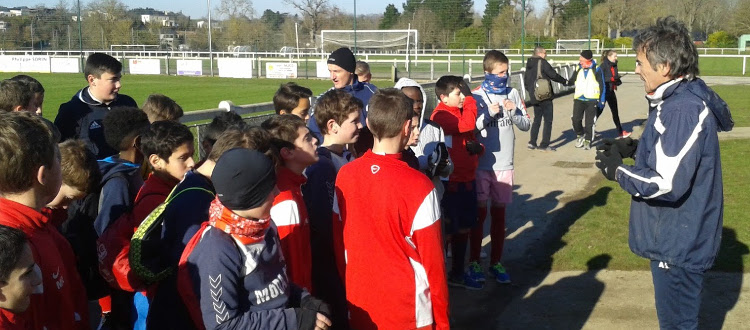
<point x="297" y="151"/>
<point x="392" y="222"/>
<point x="30" y="177"/>
<point x="168" y="147"/>
<point x="457" y="114"/>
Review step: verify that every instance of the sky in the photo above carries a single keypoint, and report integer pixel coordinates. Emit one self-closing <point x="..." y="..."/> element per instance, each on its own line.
<point x="197" y="8"/>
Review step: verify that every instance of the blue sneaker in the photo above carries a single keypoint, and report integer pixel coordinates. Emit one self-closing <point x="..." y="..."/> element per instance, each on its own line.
<point x="498" y="271"/>
<point x="466" y="282"/>
<point x="475" y="271"/>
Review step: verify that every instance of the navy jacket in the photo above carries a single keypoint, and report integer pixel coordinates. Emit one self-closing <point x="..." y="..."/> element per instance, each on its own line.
<point x="122" y="180"/>
<point x="361" y="90"/>
<point x="182" y="219"/>
<point x="678" y="201"/>
<point x="82" y="117"/>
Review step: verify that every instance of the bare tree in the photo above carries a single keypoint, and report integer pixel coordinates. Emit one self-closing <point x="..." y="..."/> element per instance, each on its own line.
<point x="553" y="11"/>
<point x="236" y="9"/>
<point x="740" y="20"/>
<point x="313" y="11"/>
<point x="690" y="11"/>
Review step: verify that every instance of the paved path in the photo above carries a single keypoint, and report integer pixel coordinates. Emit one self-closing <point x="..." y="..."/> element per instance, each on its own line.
<point x="546" y="185"/>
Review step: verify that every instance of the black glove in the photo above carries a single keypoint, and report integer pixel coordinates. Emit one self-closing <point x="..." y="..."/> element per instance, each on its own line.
<point x="438" y="159"/>
<point x="618" y="82"/>
<point x="608" y="161"/>
<point x="315" y="304"/>
<point x="625" y="146"/>
<point x="474" y="147"/>
<point x="464" y="88"/>
<point x="306" y="318"/>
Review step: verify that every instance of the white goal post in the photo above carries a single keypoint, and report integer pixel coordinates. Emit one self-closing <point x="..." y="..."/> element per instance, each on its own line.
<point x="576" y="45"/>
<point x="397" y="41"/>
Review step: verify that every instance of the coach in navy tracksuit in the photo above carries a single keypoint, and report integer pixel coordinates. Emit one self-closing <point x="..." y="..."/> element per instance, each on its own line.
<point x="677" y="205"/>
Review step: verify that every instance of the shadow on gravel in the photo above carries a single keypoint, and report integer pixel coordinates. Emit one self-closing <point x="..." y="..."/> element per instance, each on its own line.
<point x="486" y="309"/>
<point x="722" y="287"/>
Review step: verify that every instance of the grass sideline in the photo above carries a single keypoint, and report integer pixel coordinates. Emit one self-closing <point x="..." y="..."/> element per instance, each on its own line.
<point x="738" y="99"/>
<point x="604" y="229"/>
<point x="192" y="93"/>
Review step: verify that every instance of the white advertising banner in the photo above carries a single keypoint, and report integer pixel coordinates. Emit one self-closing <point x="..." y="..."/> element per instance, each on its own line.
<point x="66" y="64"/>
<point x="235" y="67"/>
<point x="24" y="63"/>
<point x="321" y="69"/>
<point x="189" y="67"/>
<point x="281" y="70"/>
<point x="144" y="66"/>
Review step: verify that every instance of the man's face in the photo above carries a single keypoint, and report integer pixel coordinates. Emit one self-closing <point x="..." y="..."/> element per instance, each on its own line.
<point x="415" y="95"/>
<point x="651" y="78"/>
<point x="22" y="282"/>
<point x="305" y="152"/>
<point x="339" y="76"/>
<point x="454" y="99"/>
<point x="106" y="87"/>
<point x="180" y="161"/>
<point x="543" y="53"/>
<point x="303" y="109"/>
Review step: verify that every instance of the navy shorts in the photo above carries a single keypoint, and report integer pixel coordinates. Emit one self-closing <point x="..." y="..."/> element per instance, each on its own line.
<point x="459" y="205"/>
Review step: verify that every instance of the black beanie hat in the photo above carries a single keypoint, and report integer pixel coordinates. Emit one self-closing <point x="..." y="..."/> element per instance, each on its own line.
<point x="243" y="178"/>
<point x="587" y="54"/>
<point x="344" y="58"/>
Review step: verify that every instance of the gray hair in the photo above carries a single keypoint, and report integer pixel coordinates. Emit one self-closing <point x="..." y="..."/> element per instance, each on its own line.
<point x="668" y="43"/>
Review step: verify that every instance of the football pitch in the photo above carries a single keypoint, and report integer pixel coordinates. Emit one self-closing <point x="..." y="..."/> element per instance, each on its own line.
<point x="192" y="93"/>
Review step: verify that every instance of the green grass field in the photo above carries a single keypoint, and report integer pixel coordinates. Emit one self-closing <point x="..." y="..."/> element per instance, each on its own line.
<point x="604" y="229"/>
<point x="192" y="93"/>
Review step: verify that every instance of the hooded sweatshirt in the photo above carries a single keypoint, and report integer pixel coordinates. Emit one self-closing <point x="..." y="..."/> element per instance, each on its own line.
<point x="430" y="134"/>
<point x="121" y="181"/>
<point x="60" y="303"/>
<point x="677" y="208"/>
<point x="82" y="117"/>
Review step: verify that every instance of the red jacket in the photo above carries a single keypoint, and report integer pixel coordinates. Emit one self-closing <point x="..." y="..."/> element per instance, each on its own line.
<point x="459" y="125"/>
<point x="289" y="213"/>
<point x="392" y="257"/>
<point x="62" y="305"/>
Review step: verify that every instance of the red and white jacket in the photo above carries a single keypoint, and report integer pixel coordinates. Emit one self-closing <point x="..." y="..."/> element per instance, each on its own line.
<point x="62" y="303"/>
<point x="390" y="248"/>
<point x="459" y="126"/>
<point x="289" y="213"/>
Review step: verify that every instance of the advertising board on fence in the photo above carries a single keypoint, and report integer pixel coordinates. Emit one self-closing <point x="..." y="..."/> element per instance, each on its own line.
<point x="189" y="67"/>
<point x="281" y="70"/>
<point x="24" y="63"/>
<point x="144" y="66"/>
<point x="65" y="64"/>
<point x="321" y="69"/>
<point x="235" y="67"/>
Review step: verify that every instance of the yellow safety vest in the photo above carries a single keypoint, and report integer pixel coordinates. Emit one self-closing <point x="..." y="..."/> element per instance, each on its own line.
<point x="587" y="86"/>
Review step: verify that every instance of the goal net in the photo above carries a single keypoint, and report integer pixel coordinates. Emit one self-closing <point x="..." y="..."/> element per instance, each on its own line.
<point x="389" y="41"/>
<point x="569" y="46"/>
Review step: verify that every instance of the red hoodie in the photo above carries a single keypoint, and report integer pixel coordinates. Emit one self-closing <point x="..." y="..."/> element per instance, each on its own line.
<point x="289" y="213"/>
<point x="459" y="125"/>
<point x="62" y="305"/>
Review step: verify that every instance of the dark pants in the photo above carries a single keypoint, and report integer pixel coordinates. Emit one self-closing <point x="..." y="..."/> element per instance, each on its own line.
<point x="611" y="99"/>
<point x="677" y="293"/>
<point x="542" y="111"/>
<point x="581" y="110"/>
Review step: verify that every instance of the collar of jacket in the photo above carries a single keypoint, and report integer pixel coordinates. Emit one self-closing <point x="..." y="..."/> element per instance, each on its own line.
<point x="662" y="92"/>
<point x="85" y="96"/>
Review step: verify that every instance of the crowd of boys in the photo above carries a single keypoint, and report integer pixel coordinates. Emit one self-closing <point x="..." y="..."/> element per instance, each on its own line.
<point x="332" y="218"/>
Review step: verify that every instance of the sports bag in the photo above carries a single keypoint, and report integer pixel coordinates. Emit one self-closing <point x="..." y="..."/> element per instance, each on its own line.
<point x="543" y="87"/>
<point x="146" y="246"/>
<point x="112" y="249"/>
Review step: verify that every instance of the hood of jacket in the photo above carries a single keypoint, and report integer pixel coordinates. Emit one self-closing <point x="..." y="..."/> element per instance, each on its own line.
<point x="112" y="165"/>
<point x="697" y="87"/>
<point x="406" y="82"/>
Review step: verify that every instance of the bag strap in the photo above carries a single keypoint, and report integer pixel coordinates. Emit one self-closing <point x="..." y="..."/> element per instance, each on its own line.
<point x="539" y="70"/>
